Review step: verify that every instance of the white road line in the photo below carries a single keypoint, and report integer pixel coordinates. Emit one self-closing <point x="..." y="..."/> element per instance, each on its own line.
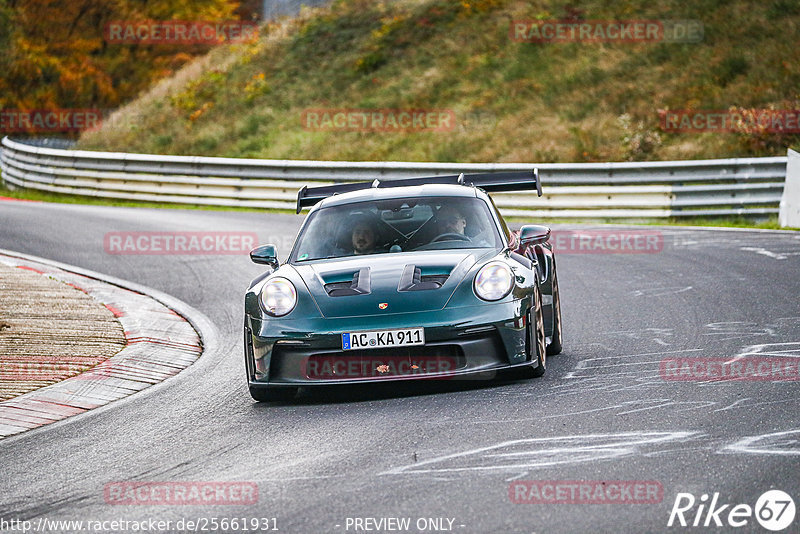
<point x="542" y="452"/>
<point x="785" y="443"/>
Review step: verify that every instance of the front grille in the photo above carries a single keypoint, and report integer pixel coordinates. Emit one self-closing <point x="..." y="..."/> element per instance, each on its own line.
<point x="379" y="363"/>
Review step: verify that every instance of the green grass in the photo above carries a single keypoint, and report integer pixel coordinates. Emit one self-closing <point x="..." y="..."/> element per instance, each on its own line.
<point x="770" y="223"/>
<point x="536" y="102"/>
<point x="46" y="196"/>
<point x="755" y="222"/>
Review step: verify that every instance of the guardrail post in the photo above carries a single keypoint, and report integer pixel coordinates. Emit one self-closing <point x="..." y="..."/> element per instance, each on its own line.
<point x="790" y="201"/>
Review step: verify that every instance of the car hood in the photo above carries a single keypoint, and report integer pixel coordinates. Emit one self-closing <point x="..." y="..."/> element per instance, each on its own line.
<point x="383" y="284"/>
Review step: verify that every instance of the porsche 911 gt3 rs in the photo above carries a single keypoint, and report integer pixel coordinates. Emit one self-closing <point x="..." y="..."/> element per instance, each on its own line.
<point x="397" y="280"/>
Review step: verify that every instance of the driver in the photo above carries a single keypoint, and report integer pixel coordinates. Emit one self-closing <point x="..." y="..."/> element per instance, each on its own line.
<point x="363" y="238"/>
<point x="451" y="221"/>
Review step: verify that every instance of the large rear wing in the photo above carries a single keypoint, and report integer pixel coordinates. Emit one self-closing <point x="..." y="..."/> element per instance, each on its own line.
<point x="488" y="181"/>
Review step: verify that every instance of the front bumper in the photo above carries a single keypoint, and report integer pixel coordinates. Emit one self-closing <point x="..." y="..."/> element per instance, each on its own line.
<point x="465" y="342"/>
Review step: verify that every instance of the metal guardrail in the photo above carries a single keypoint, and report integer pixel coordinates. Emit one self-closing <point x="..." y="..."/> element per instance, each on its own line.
<point x="748" y="186"/>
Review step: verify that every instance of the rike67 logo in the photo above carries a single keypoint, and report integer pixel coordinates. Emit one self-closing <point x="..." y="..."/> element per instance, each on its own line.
<point x="774" y="510"/>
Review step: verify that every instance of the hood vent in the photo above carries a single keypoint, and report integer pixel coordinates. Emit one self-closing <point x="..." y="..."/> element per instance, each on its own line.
<point x="412" y="279"/>
<point x="359" y="285"/>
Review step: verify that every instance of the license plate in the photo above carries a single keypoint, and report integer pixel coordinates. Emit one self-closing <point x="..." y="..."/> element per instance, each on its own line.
<point x="383" y="338"/>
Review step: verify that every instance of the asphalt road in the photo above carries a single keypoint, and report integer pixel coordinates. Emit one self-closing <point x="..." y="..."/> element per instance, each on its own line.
<point x="602" y="411"/>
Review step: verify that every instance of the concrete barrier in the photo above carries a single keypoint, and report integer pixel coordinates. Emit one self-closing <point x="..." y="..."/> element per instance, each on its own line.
<point x="790" y="201"/>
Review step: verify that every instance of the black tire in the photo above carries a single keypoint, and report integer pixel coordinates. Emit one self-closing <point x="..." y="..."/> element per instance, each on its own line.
<point x="535" y="345"/>
<point x="272" y="394"/>
<point x="555" y="340"/>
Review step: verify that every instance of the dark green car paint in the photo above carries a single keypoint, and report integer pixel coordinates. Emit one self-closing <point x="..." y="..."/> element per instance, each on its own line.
<point x="490" y="335"/>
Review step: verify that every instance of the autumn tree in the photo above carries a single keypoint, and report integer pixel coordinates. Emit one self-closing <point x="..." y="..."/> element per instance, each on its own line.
<point x="54" y="54"/>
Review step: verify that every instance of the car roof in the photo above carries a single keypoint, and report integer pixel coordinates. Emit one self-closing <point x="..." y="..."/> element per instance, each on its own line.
<point x="383" y="193"/>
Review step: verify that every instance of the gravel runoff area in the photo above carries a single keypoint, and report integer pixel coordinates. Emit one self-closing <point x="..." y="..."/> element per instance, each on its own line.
<point x="72" y="342"/>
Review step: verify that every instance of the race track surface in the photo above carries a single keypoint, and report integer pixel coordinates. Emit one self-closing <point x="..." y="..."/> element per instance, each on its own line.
<point x="603" y="411"/>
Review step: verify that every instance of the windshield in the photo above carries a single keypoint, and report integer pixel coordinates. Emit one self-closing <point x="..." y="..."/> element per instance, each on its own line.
<point x="397" y="225"/>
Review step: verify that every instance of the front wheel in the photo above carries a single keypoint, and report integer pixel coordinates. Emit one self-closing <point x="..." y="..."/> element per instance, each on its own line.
<point x="555" y="340"/>
<point x="535" y="346"/>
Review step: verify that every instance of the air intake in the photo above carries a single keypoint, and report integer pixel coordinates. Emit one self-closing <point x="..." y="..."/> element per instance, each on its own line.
<point x="412" y="279"/>
<point x="359" y="285"/>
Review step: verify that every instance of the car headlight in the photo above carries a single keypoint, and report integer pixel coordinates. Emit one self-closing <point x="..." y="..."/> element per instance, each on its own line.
<point x="493" y="281"/>
<point x="278" y="297"/>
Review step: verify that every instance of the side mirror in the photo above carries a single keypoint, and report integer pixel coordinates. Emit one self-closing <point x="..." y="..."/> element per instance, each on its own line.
<point x="533" y="234"/>
<point x="265" y="255"/>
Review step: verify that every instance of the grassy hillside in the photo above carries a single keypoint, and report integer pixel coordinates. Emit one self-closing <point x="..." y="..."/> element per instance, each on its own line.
<point x="512" y="101"/>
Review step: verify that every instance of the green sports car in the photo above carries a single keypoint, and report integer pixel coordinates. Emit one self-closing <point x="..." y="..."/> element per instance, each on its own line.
<point x="417" y="278"/>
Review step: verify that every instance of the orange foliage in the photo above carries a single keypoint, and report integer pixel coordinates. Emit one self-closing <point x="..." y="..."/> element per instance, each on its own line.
<point x="54" y="53"/>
